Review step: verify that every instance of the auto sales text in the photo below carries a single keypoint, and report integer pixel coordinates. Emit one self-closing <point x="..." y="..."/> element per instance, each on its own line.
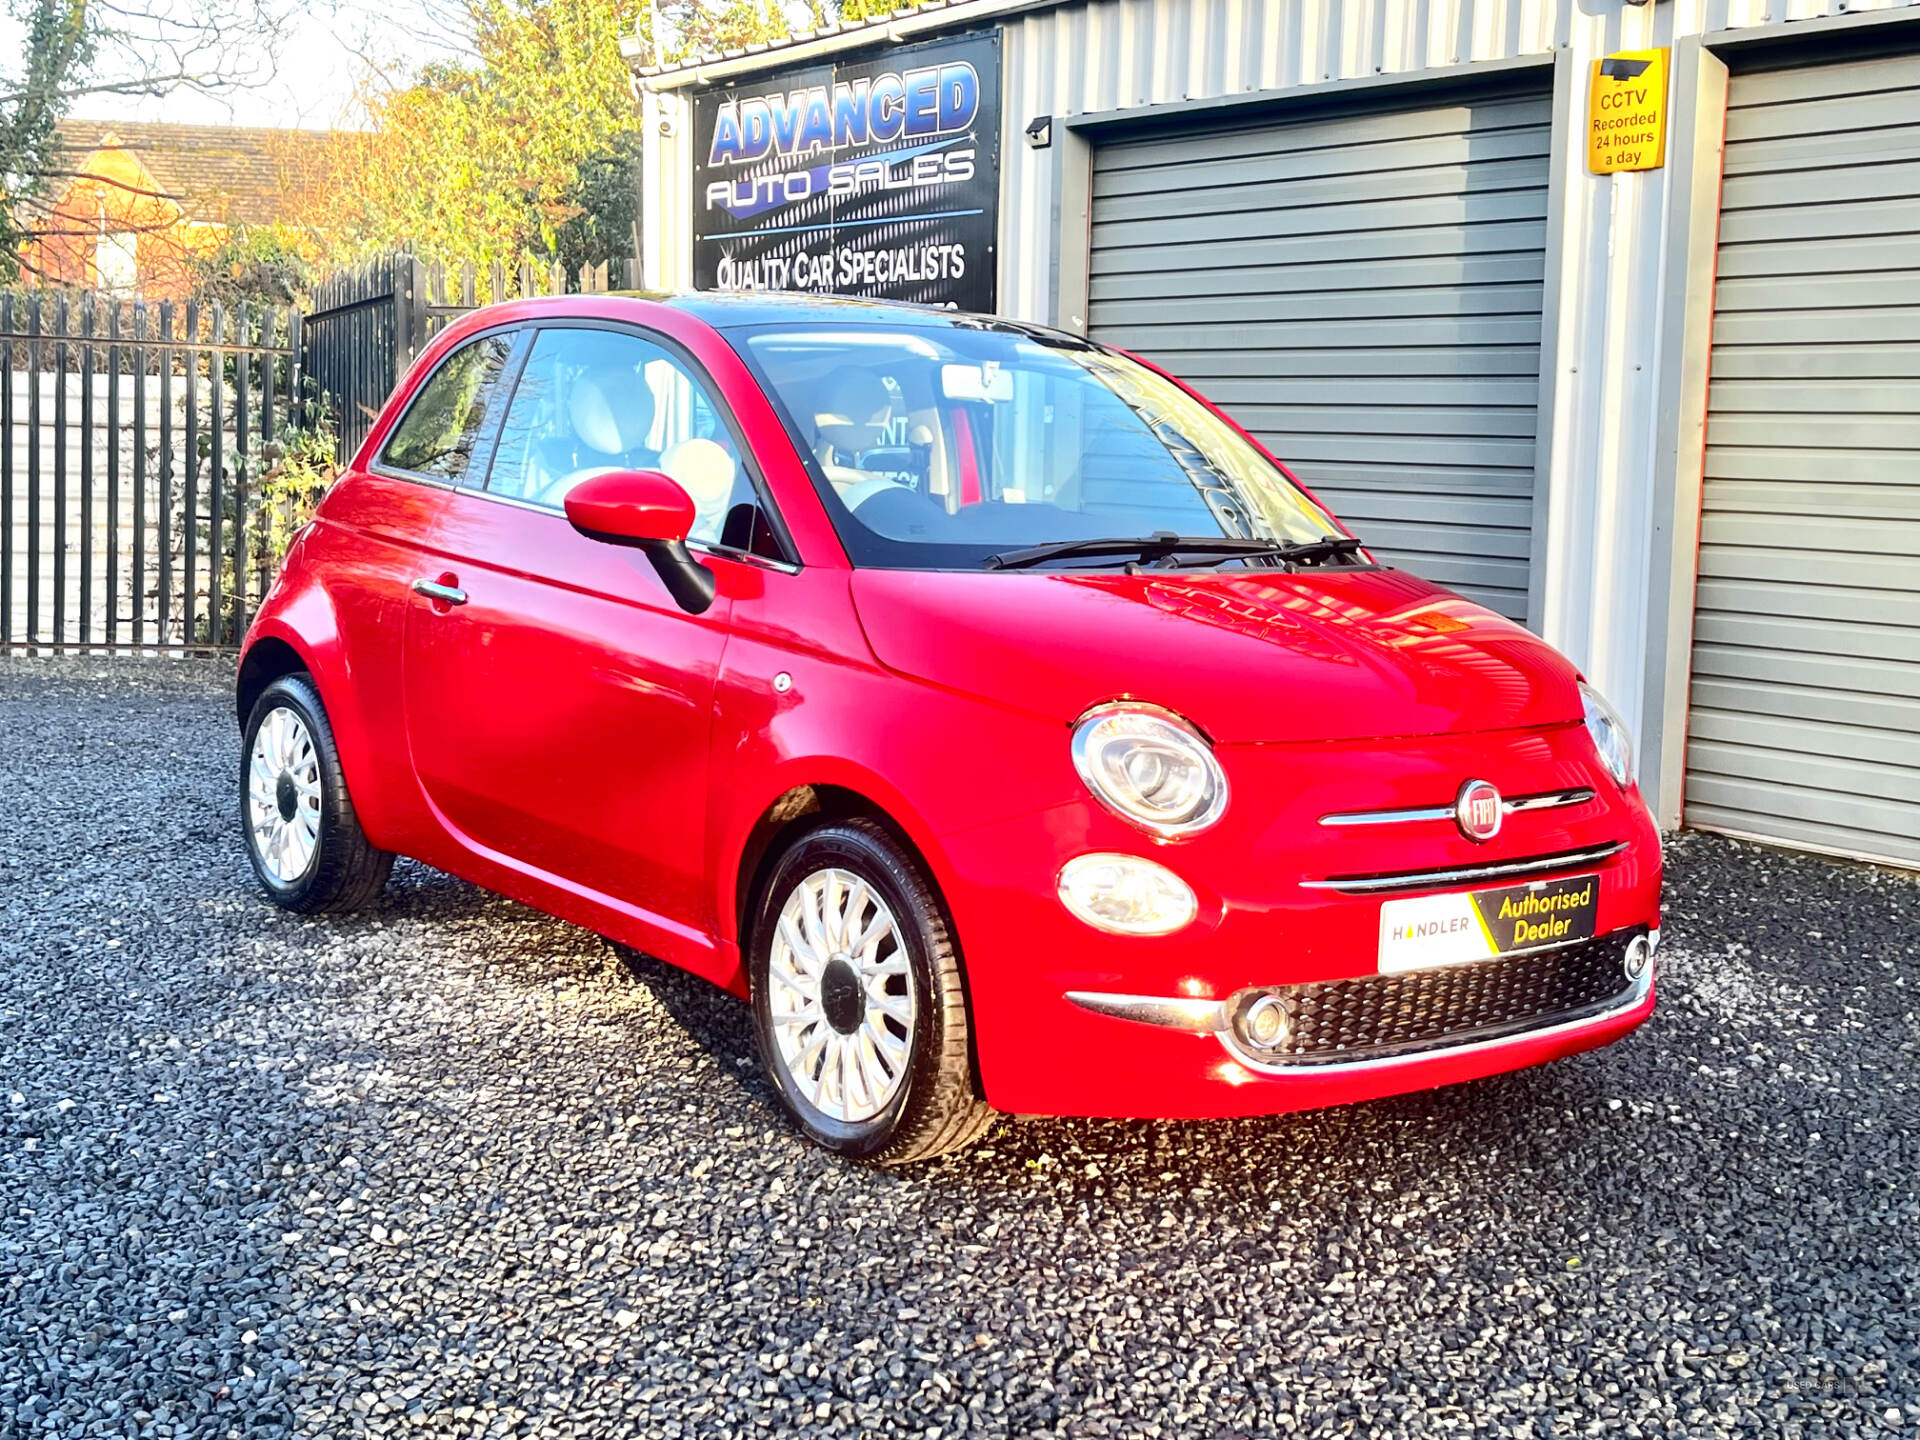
<point x="851" y="177"/>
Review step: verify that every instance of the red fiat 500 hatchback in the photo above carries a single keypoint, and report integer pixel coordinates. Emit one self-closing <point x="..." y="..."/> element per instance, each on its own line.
<point x="980" y="703"/>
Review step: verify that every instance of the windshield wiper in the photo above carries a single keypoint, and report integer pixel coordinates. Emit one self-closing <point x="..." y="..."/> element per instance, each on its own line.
<point x="1334" y="546"/>
<point x="1165" y="545"/>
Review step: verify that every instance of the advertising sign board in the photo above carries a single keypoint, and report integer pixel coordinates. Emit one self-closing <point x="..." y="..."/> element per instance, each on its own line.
<point x="879" y="177"/>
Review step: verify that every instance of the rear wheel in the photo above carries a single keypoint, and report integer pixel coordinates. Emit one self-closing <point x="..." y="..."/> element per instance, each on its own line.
<point x="859" y="1007"/>
<point x="303" y="837"/>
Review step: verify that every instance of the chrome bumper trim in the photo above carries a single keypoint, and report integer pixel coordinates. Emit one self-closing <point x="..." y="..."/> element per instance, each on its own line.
<point x="1174" y="1012"/>
<point x="1551" y="800"/>
<point x="1432" y="879"/>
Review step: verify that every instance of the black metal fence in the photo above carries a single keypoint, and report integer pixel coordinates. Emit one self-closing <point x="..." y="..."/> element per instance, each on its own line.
<point x="354" y="348"/>
<point x="132" y="437"/>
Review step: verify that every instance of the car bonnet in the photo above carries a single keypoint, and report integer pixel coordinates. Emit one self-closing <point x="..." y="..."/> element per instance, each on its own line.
<point x="1248" y="655"/>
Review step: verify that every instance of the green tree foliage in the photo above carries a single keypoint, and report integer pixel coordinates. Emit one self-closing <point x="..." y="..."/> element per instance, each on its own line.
<point x="698" y="27"/>
<point x="872" y="9"/>
<point x="528" y="153"/>
<point x="268" y="263"/>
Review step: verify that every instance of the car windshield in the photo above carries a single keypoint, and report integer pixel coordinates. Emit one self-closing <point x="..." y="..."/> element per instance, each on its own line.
<point x="975" y="444"/>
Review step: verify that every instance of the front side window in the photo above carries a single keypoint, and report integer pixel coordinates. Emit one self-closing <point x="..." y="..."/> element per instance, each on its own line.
<point x="942" y="447"/>
<point x="592" y="401"/>
<point x="437" y="434"/>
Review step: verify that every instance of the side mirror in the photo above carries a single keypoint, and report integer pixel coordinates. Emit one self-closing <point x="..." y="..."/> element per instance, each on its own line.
<point x="651" y="512"/>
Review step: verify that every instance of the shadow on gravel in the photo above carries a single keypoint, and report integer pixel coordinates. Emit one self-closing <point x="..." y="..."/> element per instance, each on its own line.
<point x="1440" y="1136"/>
<point x="1448" y="1138"/>
<point x="715" y="1020"/>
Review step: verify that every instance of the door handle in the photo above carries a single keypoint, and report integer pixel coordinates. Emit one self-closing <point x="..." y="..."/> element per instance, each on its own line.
<point x="445" y="594"/>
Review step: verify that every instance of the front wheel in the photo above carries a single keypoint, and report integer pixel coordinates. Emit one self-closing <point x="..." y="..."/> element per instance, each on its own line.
<point x="858" y="1003"/>
<point x="303" y="837"/>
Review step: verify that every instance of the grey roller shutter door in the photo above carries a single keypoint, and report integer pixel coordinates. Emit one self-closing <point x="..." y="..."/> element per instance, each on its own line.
<point x="1363" y="293"/>
<point x="1804" y="724"/>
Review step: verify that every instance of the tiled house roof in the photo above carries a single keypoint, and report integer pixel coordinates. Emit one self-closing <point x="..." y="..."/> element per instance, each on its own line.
<point x="219" y="173"/>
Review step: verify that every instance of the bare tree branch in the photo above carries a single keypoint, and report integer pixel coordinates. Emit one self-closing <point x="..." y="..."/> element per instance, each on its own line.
<point x="76" y="50"/>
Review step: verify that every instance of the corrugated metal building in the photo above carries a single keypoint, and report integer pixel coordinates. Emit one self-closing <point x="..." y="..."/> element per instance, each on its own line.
<point x="1670" y="419"/>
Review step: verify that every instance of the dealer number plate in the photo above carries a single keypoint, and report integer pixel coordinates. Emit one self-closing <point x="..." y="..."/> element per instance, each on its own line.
<point x="1469" y="925"/>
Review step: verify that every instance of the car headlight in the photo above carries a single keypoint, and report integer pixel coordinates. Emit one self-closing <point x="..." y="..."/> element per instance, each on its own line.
<point x="1126" y="895"/>
<point x="1609" y="734"/>
<point x="1151" y="768"/>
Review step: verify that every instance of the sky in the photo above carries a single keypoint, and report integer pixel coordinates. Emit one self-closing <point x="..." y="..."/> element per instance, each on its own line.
<point x="323" y="61"/>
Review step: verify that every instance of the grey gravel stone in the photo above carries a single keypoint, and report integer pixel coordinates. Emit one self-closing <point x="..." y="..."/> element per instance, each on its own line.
<point x="452" y="1168"/>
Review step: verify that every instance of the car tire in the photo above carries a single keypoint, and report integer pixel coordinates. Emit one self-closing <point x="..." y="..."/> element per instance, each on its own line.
<point x="868" y="1046"/>
<point x="302" y="834"/>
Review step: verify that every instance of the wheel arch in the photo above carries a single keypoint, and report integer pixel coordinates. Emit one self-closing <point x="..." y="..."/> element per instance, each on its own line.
<point x="301" y="633"/>
<point x="269" y="658"/>
<point x="795" y="810"/>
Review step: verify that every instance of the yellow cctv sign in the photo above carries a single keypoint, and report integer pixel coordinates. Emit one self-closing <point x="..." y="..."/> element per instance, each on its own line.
<point x="1627" y="112"/>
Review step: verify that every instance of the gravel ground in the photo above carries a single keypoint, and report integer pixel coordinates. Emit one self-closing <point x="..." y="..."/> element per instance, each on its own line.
<point x="454" y="1168"/>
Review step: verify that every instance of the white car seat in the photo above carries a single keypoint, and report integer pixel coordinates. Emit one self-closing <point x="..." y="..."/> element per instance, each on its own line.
<point x="707" y="473"/>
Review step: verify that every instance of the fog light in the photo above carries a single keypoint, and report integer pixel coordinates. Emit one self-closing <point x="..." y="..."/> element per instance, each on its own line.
<point x="1266" y="1023"/>
<point x="1126" y="895"/>
<point x="1639" y="955"/>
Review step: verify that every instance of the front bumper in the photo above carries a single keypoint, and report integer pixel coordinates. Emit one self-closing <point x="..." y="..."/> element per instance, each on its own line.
<point x="1348" y="1027"/>
<point x="1051" y="1037"/>
<point x="1165" y="1074"/>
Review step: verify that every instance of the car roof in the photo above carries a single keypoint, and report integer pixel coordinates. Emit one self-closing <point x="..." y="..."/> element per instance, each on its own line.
<point x="731" y="310"/>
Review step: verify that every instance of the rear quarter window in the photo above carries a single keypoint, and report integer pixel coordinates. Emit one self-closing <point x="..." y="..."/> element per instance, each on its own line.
<point x="438" y="433"/>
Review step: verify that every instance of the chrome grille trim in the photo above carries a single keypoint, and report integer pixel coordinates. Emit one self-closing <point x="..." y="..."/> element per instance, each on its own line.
<point x="1431" y="879"/>
<point x="1552" y="800"/>
<point x="1418" y="814"/>
<point x="1389" y="817"/>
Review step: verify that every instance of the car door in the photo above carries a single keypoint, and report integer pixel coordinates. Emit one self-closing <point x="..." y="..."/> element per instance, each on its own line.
<point x="559" y="703"/>
<point x="376" y="526"/>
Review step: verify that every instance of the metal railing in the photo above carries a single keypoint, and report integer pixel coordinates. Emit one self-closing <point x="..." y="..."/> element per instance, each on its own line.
<point x="134" y="436"/>
<point x="131" y="439"/>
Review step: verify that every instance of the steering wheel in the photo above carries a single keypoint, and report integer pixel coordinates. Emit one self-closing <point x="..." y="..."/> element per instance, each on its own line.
<point x="857" y="495"/>
<point x="898" y="512"/>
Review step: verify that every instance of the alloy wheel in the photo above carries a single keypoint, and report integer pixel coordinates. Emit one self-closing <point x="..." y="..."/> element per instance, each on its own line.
<point x="283" y="795"/>
<point x="841" y="998"/>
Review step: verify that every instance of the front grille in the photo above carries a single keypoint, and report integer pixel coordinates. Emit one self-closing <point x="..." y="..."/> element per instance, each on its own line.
<point x="1433" y="879"/>
<point x="1383" y="1015"/>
